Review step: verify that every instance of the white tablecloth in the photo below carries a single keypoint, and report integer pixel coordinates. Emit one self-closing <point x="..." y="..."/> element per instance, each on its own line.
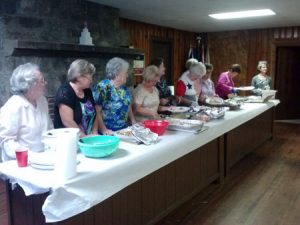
<point x="98" y="179"/>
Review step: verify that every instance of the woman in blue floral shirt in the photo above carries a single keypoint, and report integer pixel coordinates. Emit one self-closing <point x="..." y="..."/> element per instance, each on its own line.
<point x="112" y="98"/>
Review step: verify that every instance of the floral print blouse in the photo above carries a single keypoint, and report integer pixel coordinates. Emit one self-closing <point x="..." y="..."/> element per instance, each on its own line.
<point x="115" y="103"/>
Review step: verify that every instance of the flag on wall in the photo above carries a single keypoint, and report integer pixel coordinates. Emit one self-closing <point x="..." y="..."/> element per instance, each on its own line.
<point x="207" y="56"/>
<point x="201" y="53"/>
<point x="193" y="53"/>
<point x="202" y="58"/>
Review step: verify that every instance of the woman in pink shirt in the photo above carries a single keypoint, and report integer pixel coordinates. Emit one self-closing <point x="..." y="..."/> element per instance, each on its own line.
<point x="225" y="84"/>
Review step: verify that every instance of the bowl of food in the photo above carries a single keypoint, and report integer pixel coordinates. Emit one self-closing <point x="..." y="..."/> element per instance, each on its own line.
<point x="157" y="126"/>
<point x="98" y="146"/>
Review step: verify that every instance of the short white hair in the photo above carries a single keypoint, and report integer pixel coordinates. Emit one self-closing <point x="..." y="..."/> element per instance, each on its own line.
<point x="190" y="62"/>
<point x="114" y="66"/>
<point x="198" y="69"/>
<point x="23" y="78"/>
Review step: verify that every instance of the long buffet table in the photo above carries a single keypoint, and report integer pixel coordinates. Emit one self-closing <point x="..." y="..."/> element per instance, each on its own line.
<point x="138" y="184"/>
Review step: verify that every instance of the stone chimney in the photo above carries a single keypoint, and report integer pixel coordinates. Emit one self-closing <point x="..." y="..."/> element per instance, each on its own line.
<point x="47" y="33"/>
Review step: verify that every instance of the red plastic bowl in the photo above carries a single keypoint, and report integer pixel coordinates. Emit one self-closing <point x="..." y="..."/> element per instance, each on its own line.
<point x="156" y="126"/>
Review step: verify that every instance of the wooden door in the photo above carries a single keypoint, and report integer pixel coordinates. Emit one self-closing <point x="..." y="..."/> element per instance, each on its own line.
<point x="287" y="81"/>
<point x="163" y="48"/>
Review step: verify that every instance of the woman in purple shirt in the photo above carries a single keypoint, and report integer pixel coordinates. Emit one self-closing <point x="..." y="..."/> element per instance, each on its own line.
<point x="225" y="84"/>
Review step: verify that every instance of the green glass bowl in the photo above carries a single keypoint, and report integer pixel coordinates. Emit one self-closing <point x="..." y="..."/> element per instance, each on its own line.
<point x="98" y="146"/>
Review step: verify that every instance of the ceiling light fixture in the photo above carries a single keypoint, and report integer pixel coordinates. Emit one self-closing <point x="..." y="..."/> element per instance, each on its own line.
<point x="243" y="14"/>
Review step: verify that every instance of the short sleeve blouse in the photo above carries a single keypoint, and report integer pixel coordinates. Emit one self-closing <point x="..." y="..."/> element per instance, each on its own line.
<point x="115" y="103"/>
<point x="83" y="108"/>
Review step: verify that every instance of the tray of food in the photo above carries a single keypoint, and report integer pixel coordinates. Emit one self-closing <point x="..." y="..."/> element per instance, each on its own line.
<point x="178" y="109"/>
<point x="145" y="135"/>
<point x="214" y="101"/>
<point x="137" y="134"/>
<point x="184" y="124"/>
<point x="233" y="104"/>
<point x="126" y="135"/>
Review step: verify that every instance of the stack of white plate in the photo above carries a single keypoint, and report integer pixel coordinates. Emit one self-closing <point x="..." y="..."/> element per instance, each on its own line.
<point x="42" y="160"/>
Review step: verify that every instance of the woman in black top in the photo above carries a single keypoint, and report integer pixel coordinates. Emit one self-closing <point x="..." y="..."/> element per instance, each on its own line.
<point x="74" y="103"/>
<point x="165" y="95"/>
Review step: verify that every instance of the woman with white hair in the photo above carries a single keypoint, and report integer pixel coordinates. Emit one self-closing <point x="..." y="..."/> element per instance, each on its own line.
<point x="207" y="85"/>
<point x="261" y="81"/>
<point x="74" y="104"/>
<point x="112" y="97"/>
<point x="185" y="88"/>
<point x="24" y="117"/>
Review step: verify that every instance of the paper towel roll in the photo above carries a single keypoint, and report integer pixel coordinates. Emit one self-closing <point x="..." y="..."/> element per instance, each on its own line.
<point x="66" y="155"/>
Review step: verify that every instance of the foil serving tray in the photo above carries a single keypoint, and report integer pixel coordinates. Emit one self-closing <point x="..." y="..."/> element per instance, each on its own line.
<point x="185" y="124"/>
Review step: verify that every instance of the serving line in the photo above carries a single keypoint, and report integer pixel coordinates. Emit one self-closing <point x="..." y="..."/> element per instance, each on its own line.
<point x="98" y="179"/>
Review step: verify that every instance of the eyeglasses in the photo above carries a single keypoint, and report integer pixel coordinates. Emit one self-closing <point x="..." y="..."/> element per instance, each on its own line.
<point x="41" y="81"/>
<point x="88" y="76"/>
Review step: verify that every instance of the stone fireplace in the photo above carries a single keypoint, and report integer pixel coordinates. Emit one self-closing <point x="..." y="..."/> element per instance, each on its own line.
<point x="47" y="33"/>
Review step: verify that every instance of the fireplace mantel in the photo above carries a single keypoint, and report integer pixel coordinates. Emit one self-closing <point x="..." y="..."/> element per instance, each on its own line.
<point x="51" y="49"/>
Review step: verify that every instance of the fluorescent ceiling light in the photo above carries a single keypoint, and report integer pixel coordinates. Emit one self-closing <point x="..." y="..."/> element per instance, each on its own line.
<point x="243" y="14"/>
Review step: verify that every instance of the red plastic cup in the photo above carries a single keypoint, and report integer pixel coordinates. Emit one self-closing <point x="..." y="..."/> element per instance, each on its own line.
<point x="22" y="157"/>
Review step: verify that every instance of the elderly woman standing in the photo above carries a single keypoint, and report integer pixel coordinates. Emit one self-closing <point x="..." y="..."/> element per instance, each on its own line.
<point x="112" y="97"/>
<point x="24" y="117"/>
<point x="185" y="89"/>
<point x="146" y="96"/>
<point x="207" y="85"/>
<point x="74" y="104"/>
<point x="261" y="81"/>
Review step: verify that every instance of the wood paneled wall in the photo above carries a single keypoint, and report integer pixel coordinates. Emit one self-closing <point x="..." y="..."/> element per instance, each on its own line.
<point x="140" y="35"/>
<point x="245" y="47"/>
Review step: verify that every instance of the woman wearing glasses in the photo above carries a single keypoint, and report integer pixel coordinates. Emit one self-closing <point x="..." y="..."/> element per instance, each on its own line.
<point x="146" y="96"/>
<point x="24" y="117"/>
<point x="74" y="104"/>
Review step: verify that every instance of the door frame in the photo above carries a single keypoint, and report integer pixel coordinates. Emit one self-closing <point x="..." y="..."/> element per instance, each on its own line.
<point x="168" y="41"/>
<point x="274" y="51"/>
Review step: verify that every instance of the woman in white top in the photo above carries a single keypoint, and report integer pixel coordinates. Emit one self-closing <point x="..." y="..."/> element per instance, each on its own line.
<point x="24" y="117"/>
<point x="185" y="88"/>
<point x="207" y="85"/>
<point x="146" y="96"/>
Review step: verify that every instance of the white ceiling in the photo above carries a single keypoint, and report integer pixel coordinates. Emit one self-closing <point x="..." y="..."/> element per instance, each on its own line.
<point x="192" y="15"/>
